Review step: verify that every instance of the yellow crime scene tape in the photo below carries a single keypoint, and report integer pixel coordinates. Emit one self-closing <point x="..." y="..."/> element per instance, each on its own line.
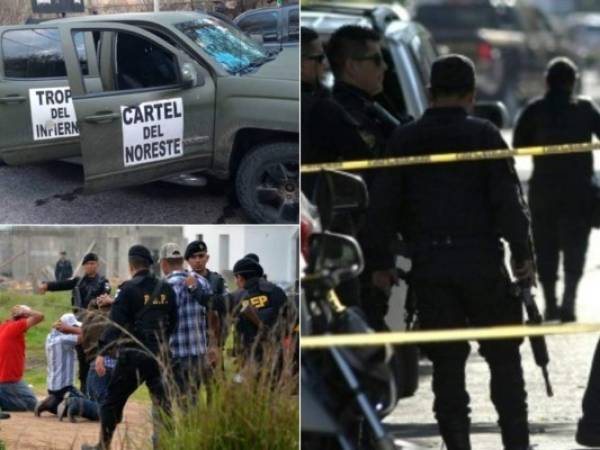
<point x="437" y="336"/>
<point x="477" y="155"/>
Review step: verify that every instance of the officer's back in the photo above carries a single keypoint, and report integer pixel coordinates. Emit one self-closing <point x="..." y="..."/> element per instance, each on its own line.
<point x="447" y="199"/>
<point x="458" y="209"/>
<point x="266" y="298"/>
<point x="145" y="306"/>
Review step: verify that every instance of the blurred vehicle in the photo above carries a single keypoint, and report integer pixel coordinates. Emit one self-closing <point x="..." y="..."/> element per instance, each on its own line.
<point x="583" y="29"/>
<point x="275" y="27"/>
<point x="407" y="49"/>
<point x="509" y="42"/>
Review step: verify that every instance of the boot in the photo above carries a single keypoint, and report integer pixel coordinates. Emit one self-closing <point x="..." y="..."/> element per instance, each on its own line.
<point x="515" y="434"/>
<point x="551" y="312"/>
<point x="587" y="435"/>
<point x="456" y="435"/>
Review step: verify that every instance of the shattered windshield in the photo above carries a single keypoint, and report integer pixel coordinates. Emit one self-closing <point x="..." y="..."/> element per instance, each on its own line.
<point x="227" y="45"/>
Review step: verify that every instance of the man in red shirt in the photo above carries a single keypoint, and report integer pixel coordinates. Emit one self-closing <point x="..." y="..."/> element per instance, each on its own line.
<point x="15" y="395"/>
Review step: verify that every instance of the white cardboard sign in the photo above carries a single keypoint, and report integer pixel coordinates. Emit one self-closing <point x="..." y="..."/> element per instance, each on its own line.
<point x="152" y="131"/>
<point x="52" y="113"/>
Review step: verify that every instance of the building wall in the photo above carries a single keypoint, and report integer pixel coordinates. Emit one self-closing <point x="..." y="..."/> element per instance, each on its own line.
<point x="42" y="246"/>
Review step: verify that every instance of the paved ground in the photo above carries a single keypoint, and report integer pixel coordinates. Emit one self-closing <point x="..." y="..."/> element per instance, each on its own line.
<point x="51" y="193"/>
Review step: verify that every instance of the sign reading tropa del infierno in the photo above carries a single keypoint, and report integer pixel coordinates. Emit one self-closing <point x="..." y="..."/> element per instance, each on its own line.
<point x="52" y="113"/>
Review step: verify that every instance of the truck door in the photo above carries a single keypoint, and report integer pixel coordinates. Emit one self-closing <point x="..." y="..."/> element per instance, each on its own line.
<point x="154" y="115"/>
<point x="37" y="119"/>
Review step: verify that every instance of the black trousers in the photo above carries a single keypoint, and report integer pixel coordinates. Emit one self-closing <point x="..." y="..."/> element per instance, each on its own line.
<point x="556" y="232"/>
<point x="456" y="302"/>
<point x="58" y="396"/>
<point x="132" y="369"/>
<point x="84" y="368"/>
<point x="591" y="398"/>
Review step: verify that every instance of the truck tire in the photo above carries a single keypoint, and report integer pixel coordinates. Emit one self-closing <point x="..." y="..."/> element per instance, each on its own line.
<point x="267" y="183"/>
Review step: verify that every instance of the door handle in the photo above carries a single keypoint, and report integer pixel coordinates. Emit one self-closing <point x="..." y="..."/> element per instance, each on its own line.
<point x="14" y="98"/>
<point x="103" y="117"/>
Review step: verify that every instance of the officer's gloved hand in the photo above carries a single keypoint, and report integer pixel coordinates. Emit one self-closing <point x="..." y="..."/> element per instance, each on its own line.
<point x="384" y="279"/>
<point x="524" y="271"/>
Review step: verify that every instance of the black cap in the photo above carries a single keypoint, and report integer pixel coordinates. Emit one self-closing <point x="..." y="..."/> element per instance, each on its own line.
<point x="90" y="257"/>
<point x="63" y="253"/>
<point x="248" y="268"/>
<point x="195" y="247"/>
<point x="561" y="73"/>
<point x="141" y="252"/>
<point x="452" y="74"/>
<point x="253" y="257"/>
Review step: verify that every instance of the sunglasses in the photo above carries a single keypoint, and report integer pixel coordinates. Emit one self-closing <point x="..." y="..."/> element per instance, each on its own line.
<point x="318" y="58"/>
<point x="377" y="59"/>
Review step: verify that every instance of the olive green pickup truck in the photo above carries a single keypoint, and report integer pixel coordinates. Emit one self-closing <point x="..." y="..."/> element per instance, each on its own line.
<point x="143" y="97"/>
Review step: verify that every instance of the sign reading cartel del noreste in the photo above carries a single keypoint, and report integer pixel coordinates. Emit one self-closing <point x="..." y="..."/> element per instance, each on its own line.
<point x="52" y="113"/>
<point x="152" y="131"/>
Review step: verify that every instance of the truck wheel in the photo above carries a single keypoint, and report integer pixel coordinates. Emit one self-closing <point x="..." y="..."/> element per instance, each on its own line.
<point x="267" y="183"/>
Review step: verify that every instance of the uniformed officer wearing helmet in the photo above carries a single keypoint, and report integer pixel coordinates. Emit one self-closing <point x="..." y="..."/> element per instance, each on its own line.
<point x="452" y="217"/>
<point x="261" y="307"/>
<point x="145" y="307"/>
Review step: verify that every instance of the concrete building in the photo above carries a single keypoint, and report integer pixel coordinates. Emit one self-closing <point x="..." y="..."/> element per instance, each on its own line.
<point x="38" y="247"/>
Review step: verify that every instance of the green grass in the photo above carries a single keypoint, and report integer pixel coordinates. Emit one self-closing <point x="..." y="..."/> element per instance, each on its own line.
<point x="260" y="413"/>
<point x="52" y="305"/>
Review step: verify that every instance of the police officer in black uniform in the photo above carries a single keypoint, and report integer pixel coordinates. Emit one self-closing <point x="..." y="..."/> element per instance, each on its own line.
<point x="452" y="217"/>
<point x="261" y="308"/>
<point x="329" y="133"/>
<point x="63" y="269"/>
<point x="561" y="186"/>
<point x="145" y="306"/>
<point x="84" y="289"/>
<point x="358" y="64"/>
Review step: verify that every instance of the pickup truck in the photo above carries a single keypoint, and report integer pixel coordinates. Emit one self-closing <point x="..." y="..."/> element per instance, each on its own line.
<point x="145" y="96"/>
<point x="276" y="26"/>
<point x="407" y="48"/>
<point x="510" y="43"/>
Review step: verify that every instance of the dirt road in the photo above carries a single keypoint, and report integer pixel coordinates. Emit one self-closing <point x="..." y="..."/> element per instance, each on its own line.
<point x="24" y="431"/>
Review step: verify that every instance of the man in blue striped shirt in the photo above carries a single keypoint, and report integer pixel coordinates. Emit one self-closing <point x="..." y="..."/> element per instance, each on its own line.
<point x="188" y="343"/>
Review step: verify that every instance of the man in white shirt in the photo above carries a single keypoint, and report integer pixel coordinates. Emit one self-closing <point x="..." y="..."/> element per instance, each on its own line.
<point x="61" y="357"/>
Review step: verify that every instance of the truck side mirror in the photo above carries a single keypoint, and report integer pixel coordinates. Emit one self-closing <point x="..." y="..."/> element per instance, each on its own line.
<point x="190" y="77"/>
<point x="338" y="193"/>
